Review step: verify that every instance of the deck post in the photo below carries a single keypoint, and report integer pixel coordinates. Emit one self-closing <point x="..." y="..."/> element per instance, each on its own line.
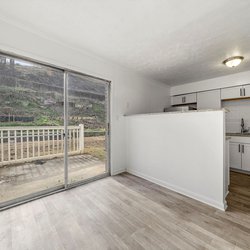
<point x="81" y="138"/>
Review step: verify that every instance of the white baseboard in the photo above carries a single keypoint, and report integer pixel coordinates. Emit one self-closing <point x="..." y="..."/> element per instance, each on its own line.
<point x="118" y="171"/>
<point x="240" y="171"/>
<point x="210" y="202"/>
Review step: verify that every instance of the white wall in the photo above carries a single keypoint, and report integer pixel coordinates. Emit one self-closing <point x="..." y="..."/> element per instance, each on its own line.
<point x="237" y="110"/>
<point x="130" y="92"/>
<point x="214" y="83"/>
<point x="181" y="151"/>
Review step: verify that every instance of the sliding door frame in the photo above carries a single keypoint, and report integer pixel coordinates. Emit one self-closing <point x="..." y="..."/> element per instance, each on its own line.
<point x="66" y="185"/>
<point x="107" y="132"/>
<point x="65" y="135"/>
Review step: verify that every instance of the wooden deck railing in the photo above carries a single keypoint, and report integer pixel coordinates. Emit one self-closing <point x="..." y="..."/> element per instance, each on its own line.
<point x="21" y="144"/>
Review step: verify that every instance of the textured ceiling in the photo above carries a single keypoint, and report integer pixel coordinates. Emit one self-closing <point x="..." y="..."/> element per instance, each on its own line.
<point x="173" y="41"/>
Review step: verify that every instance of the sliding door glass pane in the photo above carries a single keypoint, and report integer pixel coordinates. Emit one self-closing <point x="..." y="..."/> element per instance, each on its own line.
<point x="31" y="128"/>
<point x="87" y="119"/>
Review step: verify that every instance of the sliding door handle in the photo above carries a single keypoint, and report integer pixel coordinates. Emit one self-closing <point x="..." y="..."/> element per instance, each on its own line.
<point x="242" y="149"/>
<point x="239" y="148"/>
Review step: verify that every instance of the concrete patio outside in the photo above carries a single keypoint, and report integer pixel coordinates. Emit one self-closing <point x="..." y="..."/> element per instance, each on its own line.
<point x="27" y="178"/>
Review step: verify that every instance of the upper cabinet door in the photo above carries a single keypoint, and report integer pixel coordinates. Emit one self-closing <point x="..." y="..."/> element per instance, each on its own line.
<point x="235" y="155"/>
<point x="184" y="99"/>
<point x="247" y="90"/>
<point x="232" y="93"/>
<point x="245" y="148"/>
<point x="176" y="100"/>
<point x="209" y="99"/>
<point x="191" y="98"/>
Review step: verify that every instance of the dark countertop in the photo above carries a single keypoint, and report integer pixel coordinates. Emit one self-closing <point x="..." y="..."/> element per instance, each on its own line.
<point x="238" y="134"/>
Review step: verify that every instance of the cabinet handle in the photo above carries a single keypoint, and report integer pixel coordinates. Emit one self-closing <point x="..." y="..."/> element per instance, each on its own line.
<point x="239" y="148"/>
<point x="242" y="149"/>
<point x="184" y="98"/>
<point x="242" y="92"/>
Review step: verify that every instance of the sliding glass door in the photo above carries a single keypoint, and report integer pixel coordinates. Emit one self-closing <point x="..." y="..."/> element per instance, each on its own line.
<point x="31" y="128"/>
<point x="53" y="129"/>
<point x="87" y="130"/>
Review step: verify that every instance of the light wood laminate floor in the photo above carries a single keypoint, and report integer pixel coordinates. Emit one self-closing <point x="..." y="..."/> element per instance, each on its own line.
<point x="126" y="212"/>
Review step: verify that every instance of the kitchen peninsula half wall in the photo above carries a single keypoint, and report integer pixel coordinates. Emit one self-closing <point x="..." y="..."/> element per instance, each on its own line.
<point x="182" y="151"/>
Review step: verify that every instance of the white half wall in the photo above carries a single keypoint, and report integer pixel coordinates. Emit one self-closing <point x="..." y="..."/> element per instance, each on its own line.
<point x="130" y="93"/>
<point x="181" y="151"/>
<point x="214" y="83"/>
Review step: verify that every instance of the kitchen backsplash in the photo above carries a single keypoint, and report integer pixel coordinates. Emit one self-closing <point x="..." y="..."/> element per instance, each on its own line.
<point x="238" y="109"/>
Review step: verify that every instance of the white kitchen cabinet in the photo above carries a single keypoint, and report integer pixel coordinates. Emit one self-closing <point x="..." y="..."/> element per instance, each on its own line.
<point x="247" y="90"/>
<point x="176" y="100"/>
<point x="184" y="99"/>
<point x="239" y="151"/>
<point x="232" y="93"/>
<point x="235" y="155"/>
<point x="209" y="99"/>
<point x="245" y="148"/>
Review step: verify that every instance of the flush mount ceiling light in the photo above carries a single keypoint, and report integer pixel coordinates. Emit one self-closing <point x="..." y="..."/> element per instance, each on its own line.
<point x="233" y="61"/>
